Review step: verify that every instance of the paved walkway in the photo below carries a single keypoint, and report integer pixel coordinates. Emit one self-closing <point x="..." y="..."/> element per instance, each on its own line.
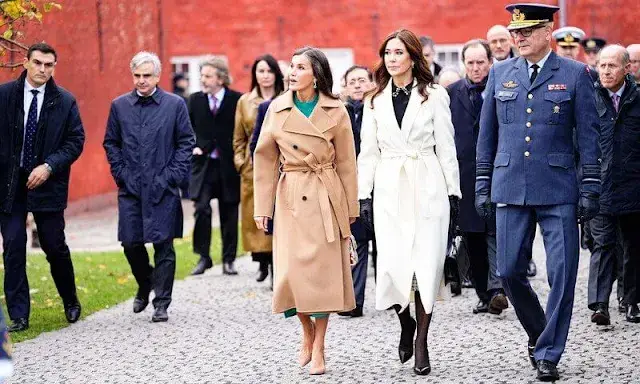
<point x="221" y="331"/>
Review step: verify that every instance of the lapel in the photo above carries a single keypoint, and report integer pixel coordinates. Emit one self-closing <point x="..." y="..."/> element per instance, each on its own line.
<point x="522" y="72"/>
<point x="547" y="71"/>
<point x="386" y="104"/>
<point x="463" y="95"/>
<point x="222" y="106"/>
<point x="290" y="119"/>
<point x="412" y="111"/>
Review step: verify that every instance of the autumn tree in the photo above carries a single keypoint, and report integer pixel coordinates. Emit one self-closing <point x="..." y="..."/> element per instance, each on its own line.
<point x="14" y="16"/>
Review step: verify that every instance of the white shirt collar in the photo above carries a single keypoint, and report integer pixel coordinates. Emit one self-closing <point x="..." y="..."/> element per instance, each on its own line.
<point x="540" y="62"/>
<point x="218" y="95"/>
<point x="28" y="87"/>
<point x="619" y="93"/>
<point x="151" y="94"/>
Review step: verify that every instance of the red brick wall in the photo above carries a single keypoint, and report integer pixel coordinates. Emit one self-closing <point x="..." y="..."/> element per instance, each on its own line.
<point x="244" y="29"/>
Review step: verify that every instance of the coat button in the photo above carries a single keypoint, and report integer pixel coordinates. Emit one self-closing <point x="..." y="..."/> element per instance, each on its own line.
<point x="527" y="139"/>
<point x="304" y="198"/>
<point x="530" y="96"/>
<point x="528" y="124"/>
<point x="529" y="110"/>
<point x="526" y="154"/>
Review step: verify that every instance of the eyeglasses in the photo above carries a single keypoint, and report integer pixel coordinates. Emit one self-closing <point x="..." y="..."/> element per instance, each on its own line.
<point x="525" y="32"/>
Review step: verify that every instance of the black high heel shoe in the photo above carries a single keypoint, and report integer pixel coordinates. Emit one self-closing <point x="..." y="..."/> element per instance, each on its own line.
<point x="405" y="348"/>
<point x="423" y="367"/>
<point x="422" y="364"/>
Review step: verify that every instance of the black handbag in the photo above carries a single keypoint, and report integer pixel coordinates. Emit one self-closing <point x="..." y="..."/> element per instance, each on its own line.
<point x="451" y="273"/>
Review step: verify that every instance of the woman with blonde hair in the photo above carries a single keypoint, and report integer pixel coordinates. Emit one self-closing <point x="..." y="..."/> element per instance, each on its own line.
<point x="408" y="158"/>
<point x="305" y="163"/>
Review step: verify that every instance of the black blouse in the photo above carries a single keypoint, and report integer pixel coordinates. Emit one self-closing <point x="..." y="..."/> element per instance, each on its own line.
<point x="400" y="100"/>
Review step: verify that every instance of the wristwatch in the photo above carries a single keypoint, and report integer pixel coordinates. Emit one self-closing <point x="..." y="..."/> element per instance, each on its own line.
<point x="48" y="168"/>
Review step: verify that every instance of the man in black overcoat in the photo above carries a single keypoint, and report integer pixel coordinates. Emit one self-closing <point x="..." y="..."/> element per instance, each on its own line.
<point x="41" y="135"/>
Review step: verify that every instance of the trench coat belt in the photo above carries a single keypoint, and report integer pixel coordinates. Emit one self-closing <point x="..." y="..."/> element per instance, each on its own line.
<point x="327" y="195"/>
<point x="403" y="156"/>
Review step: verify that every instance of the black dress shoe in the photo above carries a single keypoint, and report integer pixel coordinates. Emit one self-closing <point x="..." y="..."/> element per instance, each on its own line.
<point x="455" y="288"/>
<point x="405" y="348"/>
<point x="481" y="307"/>
<point x="467" y="283"/>
<point x="203" y="264"/>
<point x="532" y="359"/>
<point x="229" y="269"/>
<point x="622" y="306"/>
<point x="356" y="312"/>
<point x="498" y="303"/>
<point x="141" y="300"/>
<point x="633" y="314"/>
<point x="72" y="312"/>
<point x="21" y="324"/>
<point x="160" y="315"/>
<point x="262" y="276"/>
<point x="532" y="270"/>
<point x="601" y="314"/>
<point x="547" y="371"/>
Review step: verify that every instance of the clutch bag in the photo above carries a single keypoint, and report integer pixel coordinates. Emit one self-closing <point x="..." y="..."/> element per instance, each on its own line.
<point x="353" y="252"/>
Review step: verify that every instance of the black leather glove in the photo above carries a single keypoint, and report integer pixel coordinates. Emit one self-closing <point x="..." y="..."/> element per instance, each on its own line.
<point x="588" y="207"/>
<point x="366" y="213"/>
<point x="483" y="204"/>
<point x="454" y="215"/>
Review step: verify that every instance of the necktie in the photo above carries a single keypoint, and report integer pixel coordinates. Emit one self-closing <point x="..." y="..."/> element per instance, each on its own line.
<point x="534" y="74"/>
<point x="214" y="105"/>
<point x="215" y="154"/>
<point x="28" y="159"/>
<point x="616" y="101"/>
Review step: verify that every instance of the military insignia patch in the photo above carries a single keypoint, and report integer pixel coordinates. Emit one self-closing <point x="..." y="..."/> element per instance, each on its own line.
<point x="557" y="87"/>
<point x="556" y="109"/>
<point x="510" y="84"/>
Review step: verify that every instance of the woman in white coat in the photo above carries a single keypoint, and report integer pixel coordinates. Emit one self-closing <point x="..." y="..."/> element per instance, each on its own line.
<point x="408" y="158"/>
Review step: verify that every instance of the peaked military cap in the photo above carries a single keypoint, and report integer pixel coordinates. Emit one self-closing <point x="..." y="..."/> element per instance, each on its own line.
<point x="568" y="36"/>
<point x="525" y="15"/>
<point x="593" y="44"/>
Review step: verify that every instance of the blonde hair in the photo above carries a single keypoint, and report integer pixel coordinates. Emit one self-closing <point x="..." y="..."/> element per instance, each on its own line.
<point x="220" y="66"/>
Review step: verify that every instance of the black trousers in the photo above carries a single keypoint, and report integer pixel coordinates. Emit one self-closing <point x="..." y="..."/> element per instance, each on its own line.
<point x="52" y="241"/>
<point x="211" y="188"/>
<point x="159" y="278"/>
<point x="629" y="227"/>
<point x="481" y="249"/>
<point x="605" y="264"/>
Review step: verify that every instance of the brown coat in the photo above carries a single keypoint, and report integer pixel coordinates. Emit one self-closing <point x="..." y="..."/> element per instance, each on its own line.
<point x="308" y="167"/>
<point x="253" y="239"/>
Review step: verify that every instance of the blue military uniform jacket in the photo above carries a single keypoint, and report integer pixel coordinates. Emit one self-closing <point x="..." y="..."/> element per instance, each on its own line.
<point x="526" y="153"/>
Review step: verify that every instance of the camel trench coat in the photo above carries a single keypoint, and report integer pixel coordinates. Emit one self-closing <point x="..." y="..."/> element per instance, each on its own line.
<point x="253" y="239"/>
<point x="307" y="167"/>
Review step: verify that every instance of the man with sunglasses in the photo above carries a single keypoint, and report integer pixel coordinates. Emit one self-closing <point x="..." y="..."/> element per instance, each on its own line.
<point x="526" y="165"/>
<point x="41" y="135"/>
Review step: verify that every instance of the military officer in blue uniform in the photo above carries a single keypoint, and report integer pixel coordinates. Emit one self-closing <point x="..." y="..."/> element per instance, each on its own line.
<point x="527" y="165"/>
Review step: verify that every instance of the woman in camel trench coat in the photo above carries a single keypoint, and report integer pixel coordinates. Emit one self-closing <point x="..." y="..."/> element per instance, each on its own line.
<point x="305" y="162"/>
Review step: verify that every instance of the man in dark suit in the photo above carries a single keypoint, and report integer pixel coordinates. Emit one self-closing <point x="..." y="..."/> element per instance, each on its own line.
<point x="41" y="135"/>
<point x="527" y="165"/>
<point x="618" y="105"/>
<point x="479" y="234"/>
<point x="213" y="175"/>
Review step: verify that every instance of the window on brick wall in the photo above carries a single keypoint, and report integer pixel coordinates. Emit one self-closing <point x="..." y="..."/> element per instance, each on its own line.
<point x="190" y="66"/>
<point x="340" y="60"/>
<point x="449" y="55"/>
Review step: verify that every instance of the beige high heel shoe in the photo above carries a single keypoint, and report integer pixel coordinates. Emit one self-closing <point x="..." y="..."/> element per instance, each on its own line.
<point x="304" y="356"/>
<point x="319" y="369"/>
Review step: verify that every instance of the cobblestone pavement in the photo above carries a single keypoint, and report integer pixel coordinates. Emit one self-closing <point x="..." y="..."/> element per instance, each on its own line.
<point x="221" y="331"/>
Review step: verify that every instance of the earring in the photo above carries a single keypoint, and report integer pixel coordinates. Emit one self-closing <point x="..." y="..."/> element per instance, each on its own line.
<point x="315" y="83"/>
<point x="413" y="65"/>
